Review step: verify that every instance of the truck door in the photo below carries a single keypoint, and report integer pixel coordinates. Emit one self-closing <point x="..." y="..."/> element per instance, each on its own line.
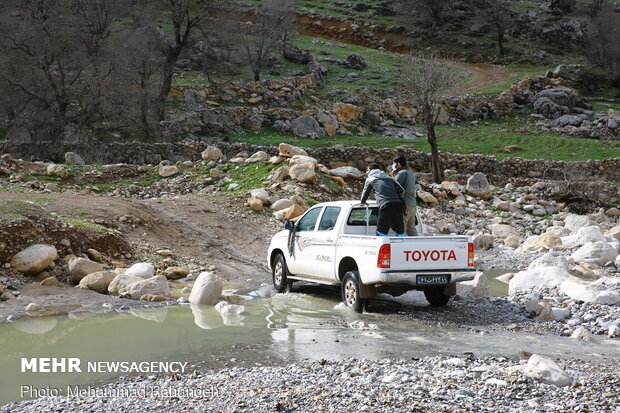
<point x="324" y="247"/>
<point x="301" y="260"/>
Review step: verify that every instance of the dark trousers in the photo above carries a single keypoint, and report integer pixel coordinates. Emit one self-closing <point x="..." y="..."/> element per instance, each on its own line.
<point x="390" y="216"/>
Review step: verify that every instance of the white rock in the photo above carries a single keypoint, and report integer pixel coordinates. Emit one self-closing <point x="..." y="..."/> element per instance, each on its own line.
<point x="582" y="334"/>
<point x="303" y="172"/>
<point x="560" y="314"/>
<point x="559" y="231"/>
<point x="575" y="222"/>
<point x="549" y="259"/>
<point x="547" y="371"/>
<point x="478" y="186"/>
<point x="614" y="331"/>
<point x="614" y="232"/>
<point x="538" y="278"/>
<point x="496" y="382"/>
<point x="478" y="287"/>
<point x="260" y="156"/>
<point x="207" y="289"/>
<point x="288" y="151"/>
<point x="212" y="153"/>
<point x="121" y="281"/>
<point x="155" y="285"/>
<point x="503" y="231"/>
<point x="589" y="292"/>
<point x="346" y="172"/>
<point x="281" y="204"/>
<point x="34" y="259"/>
<point x="228" y="310"/>
<point x="73" y="158"/>
<point x="32" y="307"/>
<point x="168" y="170"/>
<point x="98" y="281"/>
<point x="81" y="267"/>
<point x="142" y="270"/>
<point x="260" y="194"/>
<point x="597" y="253"/>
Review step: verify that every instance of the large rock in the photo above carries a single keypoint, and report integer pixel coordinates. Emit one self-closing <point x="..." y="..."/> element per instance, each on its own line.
<point x="549" y="259"/>
<point x="538" y="278"/>
<point x="478" y="287"/>
<point x="584" y="235"/>
<point x="544" y="369"/>
<point x="155" y="286"/>
<point x="597" y="253"/>
<point x="301" y="159"/>
<point x="206" y="290"/>
<point x="540" y="309"/>
<point x="175" y="273"/>
<point x="81" y="267"/>
<point x="555" y="102"/>
<point x="547" y="241"/>
<point x="573" y="221"/>
<point x="288" y="151"/>
<point x="73" y="158"/>
<point x="483" y="242"/>
<point x="307" y="126"/>
<point x="281" y="204"/>
<point x="303" y="173"/>
<point x="34" y="259"/>
<point x="57" y="170"/>
<point x="328" y="122"/>
<point x="98" y="281"/>
<point x="260" y="156"/>
<point x="293" y="212"/>
<point x="427" y="197"/>
<point x="614" y="233"/>
<point x="345" y="112"/>
<point x="503" y="231"/>
<point x="355" y="61"/>
<point x="142" y="270"/>
<point x="168" y="170"/>
<point x="122" y="281"/>
<point x="260" y="194"/>
<point x="589" y="292"/>
<point x="347" y="172"/>
<point x="212" y="153"/>
<point x="478" y="186"/>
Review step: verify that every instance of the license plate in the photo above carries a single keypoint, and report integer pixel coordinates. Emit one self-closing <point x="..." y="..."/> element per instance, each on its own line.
<point x="432" y="279"/>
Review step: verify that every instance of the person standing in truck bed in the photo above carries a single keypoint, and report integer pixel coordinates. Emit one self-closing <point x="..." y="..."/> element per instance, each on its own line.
<point x="386" y="191"/>
<point x="406" y="178"/>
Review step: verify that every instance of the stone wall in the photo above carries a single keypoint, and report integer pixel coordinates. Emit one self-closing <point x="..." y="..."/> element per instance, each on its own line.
<point x="143" y="153"/>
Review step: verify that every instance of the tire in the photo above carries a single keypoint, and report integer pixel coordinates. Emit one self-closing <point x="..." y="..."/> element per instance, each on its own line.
<point x="279" y="273"/>
<point x="435" y="296"/>
<point x="351" y="292"/>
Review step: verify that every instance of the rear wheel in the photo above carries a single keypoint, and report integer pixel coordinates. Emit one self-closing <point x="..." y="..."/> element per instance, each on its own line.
<point x="436" y="297"/>
<point x="280" y="275"/>
<point x="351" y="292"/>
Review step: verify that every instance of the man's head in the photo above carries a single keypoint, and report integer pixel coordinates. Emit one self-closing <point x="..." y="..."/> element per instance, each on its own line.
<point x="372" y="166"/>
<point x="400" y="162"/>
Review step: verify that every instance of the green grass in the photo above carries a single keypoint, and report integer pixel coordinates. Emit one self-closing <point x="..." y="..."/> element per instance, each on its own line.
<point x="14" y="209"/>
<point x="83" y="224"/>
<point x="520" y="73"/>
<point x="249" y="176"/>
<point x="598" y="106"/>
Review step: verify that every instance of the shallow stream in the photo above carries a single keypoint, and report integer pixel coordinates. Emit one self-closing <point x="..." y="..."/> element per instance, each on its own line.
<point x="275" y="329"/>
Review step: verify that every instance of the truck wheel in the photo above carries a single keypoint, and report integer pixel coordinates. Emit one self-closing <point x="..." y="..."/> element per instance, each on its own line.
<point x="435" y="297"/>
<point x="280" y="275"/>
<point x="351" y="292"/>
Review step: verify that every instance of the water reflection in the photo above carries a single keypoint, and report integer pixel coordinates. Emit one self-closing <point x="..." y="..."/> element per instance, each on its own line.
<point x="35" y="325"/>
<point x="206" y="317"/>
<point x="157" y="314"/>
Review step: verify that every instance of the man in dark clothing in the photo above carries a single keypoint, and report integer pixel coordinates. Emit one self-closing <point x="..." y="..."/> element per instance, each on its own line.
<point x="386" y="191"/>
<point x="406" y="179"/>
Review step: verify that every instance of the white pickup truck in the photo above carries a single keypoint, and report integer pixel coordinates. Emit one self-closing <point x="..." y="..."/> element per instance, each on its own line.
<point x="334" y="243"/>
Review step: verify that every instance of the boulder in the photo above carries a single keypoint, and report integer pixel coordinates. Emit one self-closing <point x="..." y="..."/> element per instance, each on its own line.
<point x="545" y="370"/>
<point x="168" y="170"/>
<point x="478" y="186"/>
<point x="614" y="233"/>
<point x="73" y="158"/>
<point x="355" y="61"/>
<point x="573" y="221"/>
<point x="81" y="267"/>
<point x="570" y="120"/>
<point x="50" y="282"/>
<point x="301" y="159"/>
<point x="256" y="204"/>
<point x="95" y="255"/>
<point x="503" y="231"/>
<point x="98" y="281"/>
<point x="281" y="204"/>
<point x="549" y="259"/>
<point x="303" y="173"/>
<point x="345" y="112"/>
<point x="307" y="126"/>
<point x="597" y="253"/>
<point x="427" y="197"/>
<point x="261" y="195"/>
<point x="300" y="201"/>
<point x="589" y="292"/>
<point x="547" y="241"/>
<point x="538" y="278"/>
<point x="34" y="259"/>
<point x="555" y="102"/>
<point x="155" y="285"/>
<point x="347" y="172"/>
<point x="478" y="287"/>
<point x="142" y="270"/>
<point x="57" y="170"/>
<point x="212" y="153"/>
<point x="541" y="309"/>
<point x="483" y="242"/>
<point x="122" y="281"/>
<point x="260" y="156"/>
<point x="175" y="273"/>
<point x="280" y="174"/>
<point x="328" y="122"/>
<point x="288" y="151"/>
<point x="206" y="290"/>
<point x="582" y="334"/>
<point x="293" y="212"/>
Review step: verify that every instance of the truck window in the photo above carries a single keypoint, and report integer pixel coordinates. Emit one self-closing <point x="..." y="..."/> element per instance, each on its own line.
<point x="308" y="221"/>
<point x="328" y="220"/>
<point x="358" y="216"/>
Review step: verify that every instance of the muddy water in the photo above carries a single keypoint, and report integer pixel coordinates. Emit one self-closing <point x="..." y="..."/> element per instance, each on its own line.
<point x="273" y="330"/>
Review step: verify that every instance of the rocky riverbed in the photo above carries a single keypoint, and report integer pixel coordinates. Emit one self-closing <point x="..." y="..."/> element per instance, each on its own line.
<point x="459" y="383"/>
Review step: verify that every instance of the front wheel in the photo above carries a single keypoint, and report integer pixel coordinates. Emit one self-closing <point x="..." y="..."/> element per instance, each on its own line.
<point x="436" y="297"/>
<point x="351" y="292"/>
<point x="280" y="275"/>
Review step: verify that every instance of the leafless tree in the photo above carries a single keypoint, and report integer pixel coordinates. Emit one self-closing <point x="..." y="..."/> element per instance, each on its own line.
<point x="603" y="44"/>
<point x="435" y="10"/>
<point x="594" y="7"/>
<point x="428" y="81"/>
<point x="563" y="6"/>
<point x="283" y="14"/>
<point x="498" y="12"/>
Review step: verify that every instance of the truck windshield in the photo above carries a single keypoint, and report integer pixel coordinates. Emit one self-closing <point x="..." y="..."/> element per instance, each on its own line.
<point x="358" y="216"/>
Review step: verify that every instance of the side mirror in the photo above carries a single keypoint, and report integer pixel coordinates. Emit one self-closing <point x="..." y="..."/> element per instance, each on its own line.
<point x="289" y="225"/>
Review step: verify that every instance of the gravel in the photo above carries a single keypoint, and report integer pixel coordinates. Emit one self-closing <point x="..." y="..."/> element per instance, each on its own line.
<point x="437" y="384"/>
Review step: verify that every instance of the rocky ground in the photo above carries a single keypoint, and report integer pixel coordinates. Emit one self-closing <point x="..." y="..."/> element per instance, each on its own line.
<point x="462" y="383"/>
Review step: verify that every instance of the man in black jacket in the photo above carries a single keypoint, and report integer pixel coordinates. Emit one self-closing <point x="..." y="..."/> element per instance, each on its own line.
<point x="386" y="191"/>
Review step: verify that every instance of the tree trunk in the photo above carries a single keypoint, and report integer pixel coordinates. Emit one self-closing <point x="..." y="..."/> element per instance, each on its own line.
<point x="500" y="41"/>
<point x="166" y="81"/>
<point x="256" y="76"/>
<point x="435" y="161"/>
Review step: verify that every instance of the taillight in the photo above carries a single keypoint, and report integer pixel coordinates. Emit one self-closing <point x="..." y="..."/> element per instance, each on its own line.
<point x="383" y="261"/>
<point x="470" y="254"/>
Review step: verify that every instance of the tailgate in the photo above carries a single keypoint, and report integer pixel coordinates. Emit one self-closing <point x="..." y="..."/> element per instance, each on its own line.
<point x="429" y="253"/>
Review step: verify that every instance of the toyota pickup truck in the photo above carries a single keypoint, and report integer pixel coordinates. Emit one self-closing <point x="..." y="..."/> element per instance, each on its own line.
<point x="334" y="243"/>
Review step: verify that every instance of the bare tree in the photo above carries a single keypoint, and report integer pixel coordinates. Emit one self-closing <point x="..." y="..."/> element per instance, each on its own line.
<point x="283" y="12"/>
<point x="594" y="7"/>
<point x="435" y="10"/>
<point x="498" y="12"/>
<point x="603" y="44"/>
<point x="428" y="81"/>
<point x="563" y="6"/>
